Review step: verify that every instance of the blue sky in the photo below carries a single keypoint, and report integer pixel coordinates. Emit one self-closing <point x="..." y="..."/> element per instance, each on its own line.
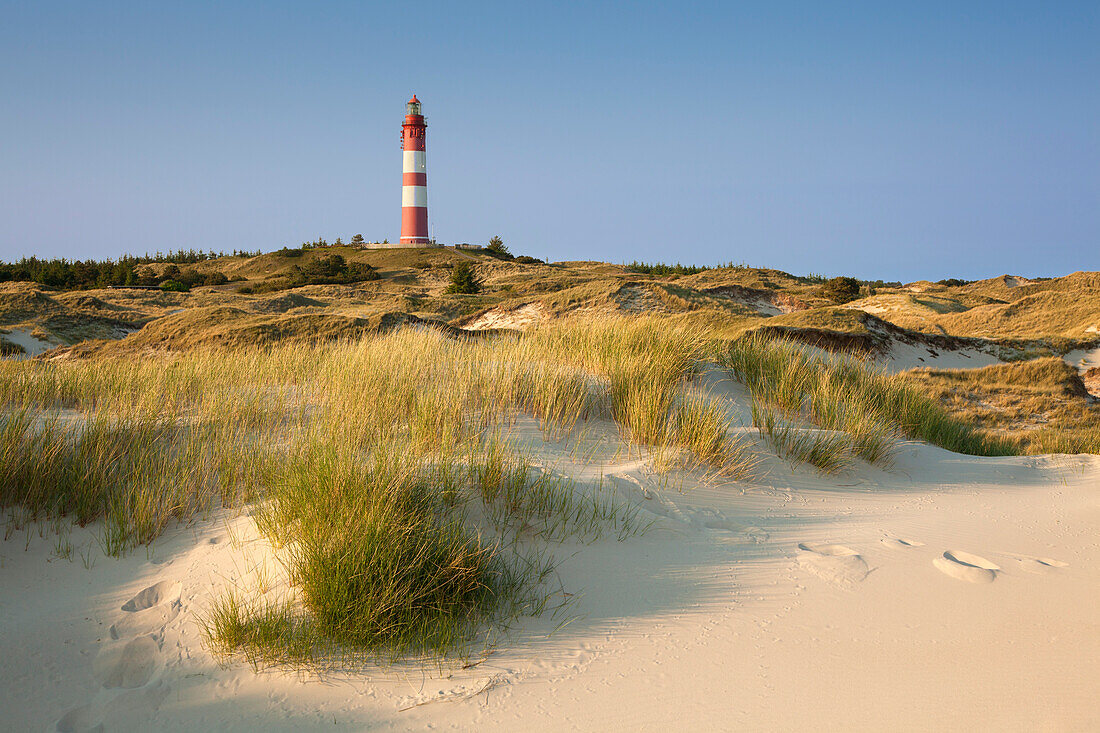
<point x="892" y="140"/>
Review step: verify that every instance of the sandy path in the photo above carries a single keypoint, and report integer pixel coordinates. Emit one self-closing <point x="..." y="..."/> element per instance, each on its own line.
<point x="794" y="602"/>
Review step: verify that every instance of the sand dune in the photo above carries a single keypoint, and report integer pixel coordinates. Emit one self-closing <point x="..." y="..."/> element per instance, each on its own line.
<point x="864" y="601"/>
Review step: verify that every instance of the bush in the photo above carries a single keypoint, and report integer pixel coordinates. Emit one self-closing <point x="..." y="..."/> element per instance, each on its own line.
<point x="464" y="280"/>
<point x="525" y="260"/>
<point x="189" y="277"/>
<point x="174" y="286"/>
<point x="325" y="267"/>
<point x="841" y="289"/>
<point x="325" y="270"/>
<point x="288" y="252"/>
<point x="215" y="278"/>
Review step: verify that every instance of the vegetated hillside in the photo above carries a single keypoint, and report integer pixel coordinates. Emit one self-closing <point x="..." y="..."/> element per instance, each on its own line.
<point x="919" y="311"/>
<point x="335" y="285"/>
<point x="1013" y="287"/>
<point x="1042" y="404"/>
<point x="1068" y="313"/>
<point x="223" y="326"/>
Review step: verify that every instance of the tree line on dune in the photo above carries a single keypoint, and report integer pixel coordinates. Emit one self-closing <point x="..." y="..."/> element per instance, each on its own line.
<point x="87" y="274"/>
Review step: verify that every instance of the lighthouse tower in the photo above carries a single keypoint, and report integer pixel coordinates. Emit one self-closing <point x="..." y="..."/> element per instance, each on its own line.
<point x="414" y="178"/>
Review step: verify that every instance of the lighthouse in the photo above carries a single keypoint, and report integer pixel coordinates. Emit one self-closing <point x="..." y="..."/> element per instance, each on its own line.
<point x="414" y="178"/>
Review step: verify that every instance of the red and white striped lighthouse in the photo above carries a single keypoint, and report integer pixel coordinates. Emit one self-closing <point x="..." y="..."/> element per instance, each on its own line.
<point x="414" y="178"/>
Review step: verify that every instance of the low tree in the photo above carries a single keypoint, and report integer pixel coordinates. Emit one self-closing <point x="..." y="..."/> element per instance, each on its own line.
<point x="840" y="289"/>
<point x="464" y="280"/>
<point x="496" y="247"/>
<point x="357" y="241"/>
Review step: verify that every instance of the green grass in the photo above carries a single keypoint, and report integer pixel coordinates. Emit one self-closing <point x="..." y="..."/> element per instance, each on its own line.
<point x="828" y="452"/>
<point x="383" y="560"/>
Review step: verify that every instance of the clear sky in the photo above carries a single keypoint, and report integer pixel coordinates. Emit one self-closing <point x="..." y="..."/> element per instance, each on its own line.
<point x="881" y="139"/>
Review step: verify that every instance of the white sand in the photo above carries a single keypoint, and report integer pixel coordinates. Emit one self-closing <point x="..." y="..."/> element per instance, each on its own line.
<point x="519" y="318"/>
<point x="32" y="345"/>
<point x="1083" y="359"/>
<point x="904" y="356"/>
<point x="947" y="593"/>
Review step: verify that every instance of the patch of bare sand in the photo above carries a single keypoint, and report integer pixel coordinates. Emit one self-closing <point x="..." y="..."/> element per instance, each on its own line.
<point x="28" y="345"/>
<point x="764" y="302"/>
<point x="519" y="318"/>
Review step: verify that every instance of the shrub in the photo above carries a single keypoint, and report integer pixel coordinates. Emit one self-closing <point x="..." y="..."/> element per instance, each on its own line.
<point x="525" y="260"/>
<point x="215" y="278"/>
<point x="327" y="266"/>
<point x="325" y="270"/>
<point x="841" y="289"/>
<point x="464" y="280"/>
<point x="174" y="286"/>
<point x="288" y="252"/>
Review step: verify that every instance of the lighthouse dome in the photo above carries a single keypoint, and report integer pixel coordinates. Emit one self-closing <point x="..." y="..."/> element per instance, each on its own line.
<point x="412" y="107"/>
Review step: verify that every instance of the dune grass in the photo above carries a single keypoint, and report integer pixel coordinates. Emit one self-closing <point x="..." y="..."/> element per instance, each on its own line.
<point x="1039" y="406"/>
<point x="382" y="471"/>
<point x="844" y="394"/>
<point x="827" y="451"/>
<point x="408" y="522"/>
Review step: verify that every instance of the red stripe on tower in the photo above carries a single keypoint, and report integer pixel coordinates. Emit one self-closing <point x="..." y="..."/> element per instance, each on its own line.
<point x="414" y="177"/>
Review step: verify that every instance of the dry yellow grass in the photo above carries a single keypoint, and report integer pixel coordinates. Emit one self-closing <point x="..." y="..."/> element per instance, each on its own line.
<point x="1040" y="405"/>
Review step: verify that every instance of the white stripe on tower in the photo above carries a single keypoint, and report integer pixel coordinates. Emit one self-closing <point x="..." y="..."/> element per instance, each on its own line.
<point x="414" y="196"/>
<point x="414" y="161"/>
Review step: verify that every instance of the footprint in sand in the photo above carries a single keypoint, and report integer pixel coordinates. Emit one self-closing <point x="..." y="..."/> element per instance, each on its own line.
<point x="79" y="720"/>
<point x="965" y="566"/>
<point x="835" y="563"/>
<point x="898" y="543"/>
<point x="126" y="664"/>
<point x="149" y="611"/>
<point x="125" y="711"/>
<point x="129" y="662"/>
<point x="165" y="591"/>
<point x="1038" y="565"/>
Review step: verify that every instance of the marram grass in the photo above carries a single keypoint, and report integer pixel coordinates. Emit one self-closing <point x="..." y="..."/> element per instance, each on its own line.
<point x="406" y="521"/>
<point x="842" y="393"/>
